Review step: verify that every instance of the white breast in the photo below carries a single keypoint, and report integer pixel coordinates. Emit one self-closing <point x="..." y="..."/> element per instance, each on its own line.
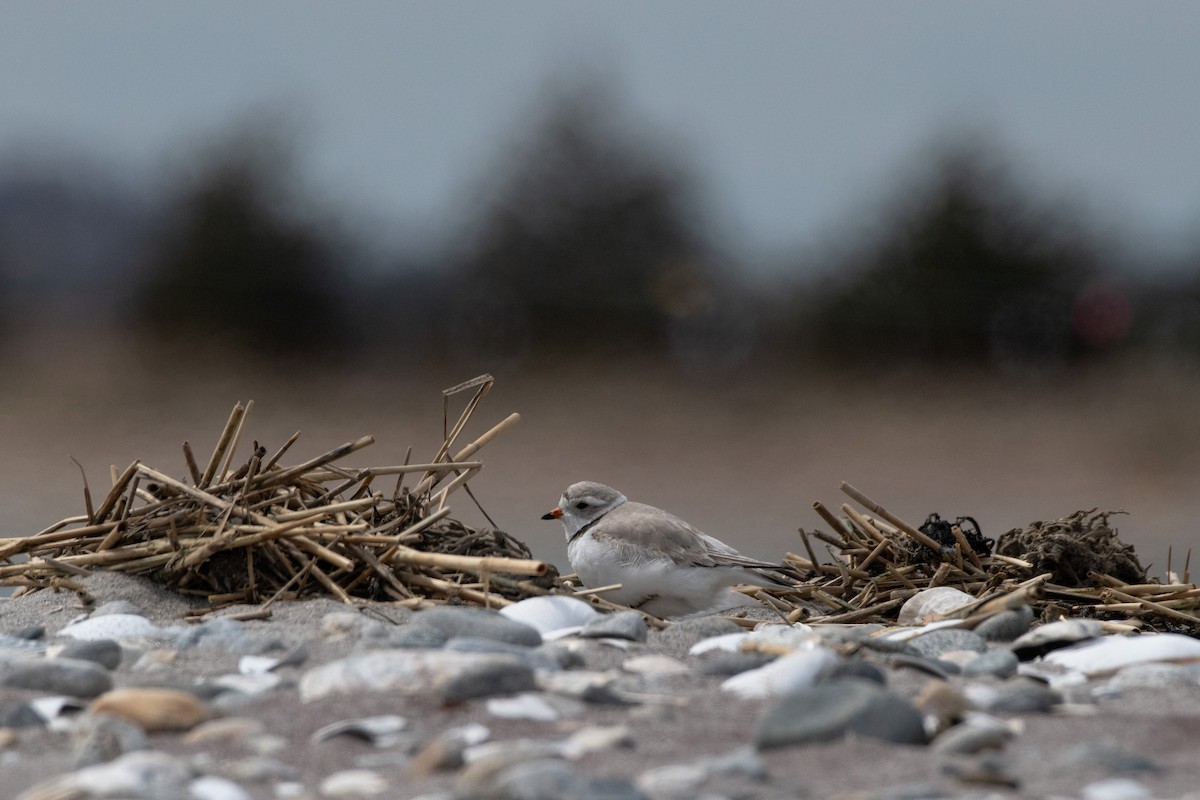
<point x="657" y="586"/>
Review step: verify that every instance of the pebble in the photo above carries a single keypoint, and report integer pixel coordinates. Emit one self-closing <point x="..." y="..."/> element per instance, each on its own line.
<point x="527" y="705"/>
<point x="1112" y="759"/>
<point x="413" y="636"/>
<point x="113" y="626"/>
<point x="57" y="676"/>
<point x="1007" y="625"/>
<point x="147" y="774"/>
<point x="554" y="615"/>
<point x="936" y="643"/>
<point x="1110" y="653"/>
<point x="105" y="652"/>
<point x="930" y="604"/>
<point x="830" y="710"/>
<point x="727" y="664"/>
<point x="998" y="663"/>
<point x="224" y="729"/>
<point x="1115" y="789"/>
<point x="1154" y="676"/>
<point x="1053" y="635"/>
<point x="972" y="736"/>
<point x="628" y="625"/>
<point x="212" y="787"/>
<point x="414" y="672"/>
<point x="480" y="622"/>
<point x="680" y="636"/>
<point x="1013" y="697"/>
<point x="535" y="658"/>
<point x="797" y="670"/>
<point x="488" y="678"/>
<point x="354" y="783"/>
<point x="382" y="731"/>
<point x="152" y="708"/>
<point x="102" y="737"/>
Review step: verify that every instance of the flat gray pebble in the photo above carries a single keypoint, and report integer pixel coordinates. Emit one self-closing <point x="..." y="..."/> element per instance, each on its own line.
<point x="1007" y="625"/>
<point x="828" y="711"/>
<point x="934" y="643"/>
<point x="967" y="739"/>
<point x="412" y="636"/>
<point x="487" y="679"/>
<point x="102" y="737"/>
<point x="1115" y="760"/>
<point x="532" y="657"/>
<point x="1000" y="663"/>
<point x="105" y="652"/>
<point x="1024" y="697"/>
<point x="20" y="715"/>
<point x="855" y="668"/>
<point x="727" y="664"/>
<point x="552" y="779"/>
<point x="628" y="625"/>
<point x="57" y="676"/>
<point x="480" y="622"/>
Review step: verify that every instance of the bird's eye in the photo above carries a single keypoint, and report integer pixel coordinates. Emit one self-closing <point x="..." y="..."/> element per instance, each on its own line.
<point x="581" y="505"/>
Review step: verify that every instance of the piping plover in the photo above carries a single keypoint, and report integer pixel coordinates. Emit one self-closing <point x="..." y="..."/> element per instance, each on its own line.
<point x="664" y="565"/>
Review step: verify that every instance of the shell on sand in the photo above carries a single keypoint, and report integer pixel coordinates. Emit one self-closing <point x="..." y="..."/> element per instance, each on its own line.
<point x="931" y="604"/>
<point x="153" y="709"/>
<point x="1111" y="653"/>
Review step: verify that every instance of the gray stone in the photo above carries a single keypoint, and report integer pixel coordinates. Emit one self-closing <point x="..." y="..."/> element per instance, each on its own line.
<point x="968" y="738"/>
<point x="1000" y="663"/>
<point x="103" y="737"/>
<point x="552" y="779"/>
<point x="1023" y="697"/>
<point x="481" y="622"/>
<point x="1007" y="625"/>
<point x="629" y="625"/>
<point x="744" y="762"/>
<point x="412" y="636"/>
<point x="946" y="640"/>
<point x="828" y="711"/>
<point x="930" y="666"/>
<point x="215" y="632"/>
<point x="987" y="769"/>
<point x="534" y="658"/>
<point x="486" y="679"/>
<point x="856" y="668"/>
<point x="20" y="715"/>
<point x="57" y="676"/>
<point x="1115" y="760"/>
<point x="105" y="652"/>
<point x="12" y="647"/>
<point x="726" y="664"/>
<point x="563" y="654"/>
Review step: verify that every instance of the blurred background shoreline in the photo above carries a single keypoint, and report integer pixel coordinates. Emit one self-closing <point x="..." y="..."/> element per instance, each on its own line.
<point x="722" y="261"/>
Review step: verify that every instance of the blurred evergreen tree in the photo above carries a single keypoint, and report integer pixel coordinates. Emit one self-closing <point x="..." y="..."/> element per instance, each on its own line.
<point x="966" y="269"/>
<point x="231" y="268"/>
<point x="588" y="237"/>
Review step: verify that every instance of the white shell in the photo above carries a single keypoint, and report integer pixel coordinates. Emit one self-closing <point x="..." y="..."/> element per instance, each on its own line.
<point x="551" y="614"/>
<point x="932" y="603"/>
<point x="796" y="670"/>
<point x="1062" y="632"/>
<point x="381" y="731"/>
<point x="1111" y="653"/>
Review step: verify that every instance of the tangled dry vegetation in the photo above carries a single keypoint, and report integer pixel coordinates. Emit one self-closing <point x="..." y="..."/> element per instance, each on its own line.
<point x="259" y="532"/>
<point x="1076" y="566"/>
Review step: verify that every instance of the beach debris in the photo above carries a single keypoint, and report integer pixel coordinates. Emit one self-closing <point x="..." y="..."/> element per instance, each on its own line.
<point x="262" y="531"/>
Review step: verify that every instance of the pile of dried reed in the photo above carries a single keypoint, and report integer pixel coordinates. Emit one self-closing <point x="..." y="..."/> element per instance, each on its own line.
<point x="262" y="531"/>
<point x="876" y="561"/>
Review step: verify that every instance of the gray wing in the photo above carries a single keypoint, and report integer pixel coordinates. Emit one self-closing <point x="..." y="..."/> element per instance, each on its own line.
<point x="670" y="539"/>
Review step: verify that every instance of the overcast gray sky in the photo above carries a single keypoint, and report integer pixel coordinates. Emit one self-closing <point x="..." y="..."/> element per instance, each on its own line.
<point x="794" y="113"/>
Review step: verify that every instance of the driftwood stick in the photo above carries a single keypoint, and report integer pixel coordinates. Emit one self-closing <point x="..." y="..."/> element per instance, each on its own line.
<point x="477" y="565"/>
<point x="114" y="494"/>
<point x="875" y="508"/>
<point x="223" y="440"/>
